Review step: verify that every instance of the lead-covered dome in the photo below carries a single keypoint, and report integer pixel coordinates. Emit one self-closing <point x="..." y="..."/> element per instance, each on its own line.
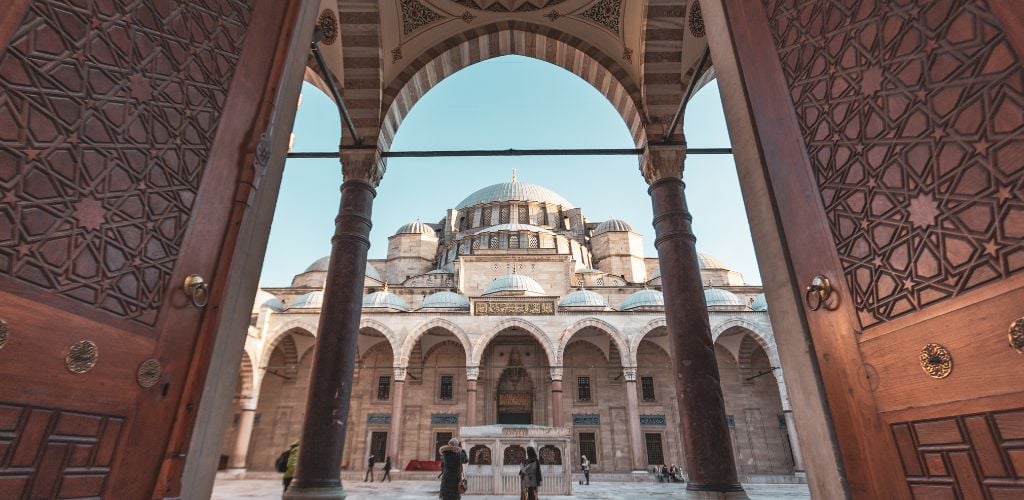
<point x="759" y="303"/>
<point x="719" y="297"/>
<point x="384" y="300"/>
<point x="416" y="228"/>
<point x="514" y="191"/>
<point x="321" y="264"/>
<point x="514" y="283"/>
<point x="708" y="262"/>
<point x="311" y="300"/>
<point x="644" y="299"/>
<point x="612" y="226"/>
<point x="445" y="300"/>
<point x="584" y="299"/>
<point x="267" y="300"/>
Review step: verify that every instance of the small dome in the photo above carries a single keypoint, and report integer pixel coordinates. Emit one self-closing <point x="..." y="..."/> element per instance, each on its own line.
<point x="416" y="228"/>
<point x="384" y="300"/>
<point x="612" y="226"/>
<point x="265" y="299"/>
<point x="445" y="300"/>
<point x="311" y="300"/>
<point x="717" y="297"/>
<point x="322" y="263"/>
<point x="584" y="298"/>
<point x="759" y="303"/>
<point x="708" y="262"/>
<point x="514" y="191"/>
<point x="514" y="283"/>
<point x="643" y="299"/>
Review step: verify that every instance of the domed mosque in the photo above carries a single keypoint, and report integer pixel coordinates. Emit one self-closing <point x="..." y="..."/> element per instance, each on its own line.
<point x="515" y="308"/>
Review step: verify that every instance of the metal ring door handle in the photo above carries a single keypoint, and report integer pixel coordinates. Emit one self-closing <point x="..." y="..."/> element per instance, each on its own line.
<point x="197" y="290"/>
<point x="818" y="292"/>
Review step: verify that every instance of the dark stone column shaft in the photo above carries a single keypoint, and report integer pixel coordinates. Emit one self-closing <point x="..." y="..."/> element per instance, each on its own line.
<point x="330" y="385"/>
<point x="706" y="439"/>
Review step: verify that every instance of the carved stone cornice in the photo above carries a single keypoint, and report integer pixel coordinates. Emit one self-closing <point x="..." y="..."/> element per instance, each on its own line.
<point x="662" y="161"/>
<point x="363" y="164"/>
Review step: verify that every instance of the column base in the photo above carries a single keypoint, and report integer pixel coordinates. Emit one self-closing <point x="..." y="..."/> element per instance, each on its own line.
<point x="329" y="492"/>
<point x="715" y="495"/>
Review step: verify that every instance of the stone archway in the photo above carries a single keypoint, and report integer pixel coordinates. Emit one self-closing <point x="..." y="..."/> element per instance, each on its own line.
<point x="515" y="393"/>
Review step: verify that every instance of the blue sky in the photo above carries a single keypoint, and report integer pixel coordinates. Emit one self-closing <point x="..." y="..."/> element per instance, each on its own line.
<point x="508" y="102"/>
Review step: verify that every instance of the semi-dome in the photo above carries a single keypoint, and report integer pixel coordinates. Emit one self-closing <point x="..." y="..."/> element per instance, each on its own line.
<point x="708" y="262"/>
<point x="583" y="298"/>
<point x="643" y="299"/>
<point x="759" y="303"/>
<point x="265" y="299"/>
<point x="416" y="228"/>
<point x="445" y="300"/>
<point x="514" y="283"/>
<point x="384" y="300"/>
<point x="514" y="191"/>
<point x="311" y="300"/>
<point x="612" y="226"/>
<point x="719" y="297"/>
<point x="321" y="264"/>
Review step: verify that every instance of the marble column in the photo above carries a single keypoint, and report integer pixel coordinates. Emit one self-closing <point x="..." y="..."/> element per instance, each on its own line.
<point x="472" y="375"/>
<point x="557" y="418"/>
<point x="794" y="444"/>
<point x="709" y="456"/>
<point x="240" y="452"/>
<point x="395" y="432"/>
<point x="636" y="443"/>
<point x="330" y="383"/>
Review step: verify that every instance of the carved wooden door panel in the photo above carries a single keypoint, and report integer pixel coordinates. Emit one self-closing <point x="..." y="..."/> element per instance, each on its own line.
<point x="892" y="135"/>
<point x="124" y="126"/>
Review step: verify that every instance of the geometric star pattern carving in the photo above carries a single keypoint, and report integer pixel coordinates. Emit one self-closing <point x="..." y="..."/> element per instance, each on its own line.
<point x="913" y="118"/>
<point x="107" y="113"/>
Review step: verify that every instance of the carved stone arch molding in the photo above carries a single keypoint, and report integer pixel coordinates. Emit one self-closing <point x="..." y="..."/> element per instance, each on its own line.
<point x="447" y="57"/>
<point x="410" y="340"/>
<point x="521" y="324"/>
<point x="387" y="332"/>
<point x="634" y="342"/>
<point x="617" y="339"/>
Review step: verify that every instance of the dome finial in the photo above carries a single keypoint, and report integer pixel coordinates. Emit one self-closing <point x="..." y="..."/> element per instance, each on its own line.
<point x="514" y="175"/>
<point x="385" y="286"/>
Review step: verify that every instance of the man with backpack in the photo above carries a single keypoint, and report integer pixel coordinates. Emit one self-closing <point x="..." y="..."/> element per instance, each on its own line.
<point x="286" y="462"/>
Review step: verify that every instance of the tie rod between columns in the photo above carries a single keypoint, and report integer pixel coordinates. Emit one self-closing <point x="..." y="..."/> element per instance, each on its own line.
<point x="509" y="152"/>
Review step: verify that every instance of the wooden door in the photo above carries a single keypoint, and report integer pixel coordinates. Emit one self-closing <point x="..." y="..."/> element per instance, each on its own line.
<point x="126" y="130"/>
<point x="892" y="139"/>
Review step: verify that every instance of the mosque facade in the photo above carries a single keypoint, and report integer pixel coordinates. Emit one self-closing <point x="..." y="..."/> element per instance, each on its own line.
<point x="514" y="308"/>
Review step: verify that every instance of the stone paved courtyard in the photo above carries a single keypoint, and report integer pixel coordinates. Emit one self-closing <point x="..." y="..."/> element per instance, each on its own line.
<point x="266" y="489"/>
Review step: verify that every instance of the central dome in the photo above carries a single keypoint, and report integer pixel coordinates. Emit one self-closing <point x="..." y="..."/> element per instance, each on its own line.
<point x="514" y="284"/>
<point x="514" y="191"/>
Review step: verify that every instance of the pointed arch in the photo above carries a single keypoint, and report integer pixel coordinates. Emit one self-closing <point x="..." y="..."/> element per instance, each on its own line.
<point x="757" y="332"/>
<point x="634" y="342"/>
<point x="388" y="333"/>
<point x="599" y="324"/>
<point x="521" y="324"/>
<point x="411" y="339"/>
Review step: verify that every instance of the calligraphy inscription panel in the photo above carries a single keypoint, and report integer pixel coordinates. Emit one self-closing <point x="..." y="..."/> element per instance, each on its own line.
<point x="490" y="308"/>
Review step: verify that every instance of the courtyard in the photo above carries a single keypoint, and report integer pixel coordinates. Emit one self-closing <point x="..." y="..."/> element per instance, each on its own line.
<point x="267" y="489"/>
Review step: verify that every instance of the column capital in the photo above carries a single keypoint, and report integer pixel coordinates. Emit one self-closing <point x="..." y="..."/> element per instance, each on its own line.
<point x="400" y="372"/>
<point x="472" y="373"/>
<point x="362" y="164"/>
<point x="556" y="373"/>
<point x="662" y="161"/>
<point x="629" y="373"/>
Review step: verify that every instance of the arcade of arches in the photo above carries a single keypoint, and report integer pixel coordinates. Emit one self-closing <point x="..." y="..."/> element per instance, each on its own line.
<point x="878" y="146"/>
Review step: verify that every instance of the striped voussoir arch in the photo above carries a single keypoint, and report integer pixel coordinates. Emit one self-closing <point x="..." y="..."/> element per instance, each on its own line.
<point x="506" y="38"/>
<point x="359" y="23"/>
<point x="663" y="79"/>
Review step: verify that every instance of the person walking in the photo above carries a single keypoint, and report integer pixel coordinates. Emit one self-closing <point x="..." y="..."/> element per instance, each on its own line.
<point x="452" y="458"/>
<point x="369" y="469"/>
<point x="387" y="470"/>
<point x="585" y="465"/>
<point x="529" y="474"/>
<point x="293" y="460"/>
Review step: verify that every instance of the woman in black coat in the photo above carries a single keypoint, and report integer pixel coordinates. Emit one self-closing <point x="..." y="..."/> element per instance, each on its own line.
<point x="452" y="458"/>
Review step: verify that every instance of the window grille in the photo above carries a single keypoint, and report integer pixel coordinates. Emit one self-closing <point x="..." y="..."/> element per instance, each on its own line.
<point x="447" y="389"/>
<point x="486" y="219"/>
<point x="583" y="388"/>
<point x="379" y="445"/>
<point x="647" y="388"/>
<point x="513" y="241"/>
<point x="533" y="241"/>
<point x="503" y="215"/>
<point x="476" y="243"/>
<point x="384" y="387"/>
<point x="588" y="446"/>
<point x="655" y="455"/>
<point x="524" y="214"/>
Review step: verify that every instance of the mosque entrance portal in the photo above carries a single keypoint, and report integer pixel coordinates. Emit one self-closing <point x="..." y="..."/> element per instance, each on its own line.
<point x="515" y="393"/>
